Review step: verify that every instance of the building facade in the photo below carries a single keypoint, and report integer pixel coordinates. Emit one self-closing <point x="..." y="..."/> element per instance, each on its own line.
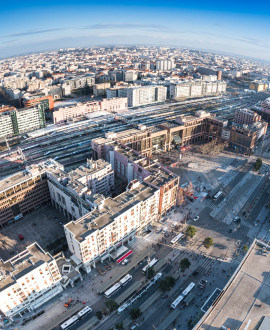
<point x="245" y="116"/>
<point x="28" y="280"/>
<point x="115" y="221"/>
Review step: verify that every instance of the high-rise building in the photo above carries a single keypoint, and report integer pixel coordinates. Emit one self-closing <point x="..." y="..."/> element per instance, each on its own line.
<point x="165" y="65"/>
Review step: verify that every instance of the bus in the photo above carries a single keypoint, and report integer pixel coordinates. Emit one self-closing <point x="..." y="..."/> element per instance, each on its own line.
<point x="177" y="238"/>
<point x="151" y="264"/>
<point x="68" y="323"/>
<point x="112" y="290"/>
<point x="217" y="195"/>
<point x="182" y="295"/>
<point x="84" y="311"/>
<point x="125" y="279"/>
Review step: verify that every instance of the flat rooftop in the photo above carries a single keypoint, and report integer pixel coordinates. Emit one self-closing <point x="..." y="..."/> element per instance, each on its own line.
<point x="112" y="208"/>
<point x="246" y="299"/>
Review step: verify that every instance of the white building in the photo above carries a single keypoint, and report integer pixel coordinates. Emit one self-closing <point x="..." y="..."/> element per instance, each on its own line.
<point x="71" y="192"/>
<point x="196" y="88"/>
<point x="139" y="95"/>
<point x="165" y="65"/>
<point x="114" y="222"/>
<point x="28" y="280"/>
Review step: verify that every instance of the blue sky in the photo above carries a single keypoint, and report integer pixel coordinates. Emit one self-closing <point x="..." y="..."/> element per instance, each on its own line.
<point x="239" y="27"/>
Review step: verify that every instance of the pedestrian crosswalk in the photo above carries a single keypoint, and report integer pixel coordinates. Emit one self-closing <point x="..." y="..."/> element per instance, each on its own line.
<point x="246" y="224"/>
<point x="207" y="263"/>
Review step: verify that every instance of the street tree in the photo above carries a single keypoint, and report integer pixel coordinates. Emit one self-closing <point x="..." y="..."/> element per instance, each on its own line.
<point x="167" y="283"/>
<point x="245" y="248"/>
<point x="150" y="272"/>
<point x="119" y="326"/>
<point x="135" y="313"/>
<point x="111" y="305"/>
<point x="208" y="242"/>
<point x="191" y="231"/>
<point x="184" y="264"/>
<point x="99" y="315"/>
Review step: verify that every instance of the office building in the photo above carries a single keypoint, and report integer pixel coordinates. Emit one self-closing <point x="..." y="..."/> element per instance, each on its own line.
<point x="38" y="100"/>
<point x="23" y="191"/>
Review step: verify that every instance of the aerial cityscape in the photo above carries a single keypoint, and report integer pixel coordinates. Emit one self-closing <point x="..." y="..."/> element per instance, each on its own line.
<point x="134" y="175"/>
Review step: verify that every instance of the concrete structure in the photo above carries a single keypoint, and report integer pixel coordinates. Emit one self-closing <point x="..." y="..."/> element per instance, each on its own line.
<point x="196" y="88"/>
<point x="245" y="116"/>
<point x="14" y="122"/>
<point x="130" y="76"/>
<point x="114" y="222"/>
<point x="79" y="81"/>
<point x="244" y="301"/>
<point x="100" y="89"/>
<point x="208" y="71"/>
<point x="28" y="280"/>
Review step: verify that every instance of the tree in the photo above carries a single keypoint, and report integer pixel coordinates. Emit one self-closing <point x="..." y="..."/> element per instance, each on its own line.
<point x="245" y="248"/>
<point x="191" y="231"/>
<point x="99" y="315"/>
<point x="135" y="313"/>
<point x="167" y="283"/>
<point x="150" y="272"/>
<point x="258" y="164"/>
<point x="184" y="264"/>
<point x="208" y="242"/>
<point x="111" y="305"/>
<point x="119" y="326"/>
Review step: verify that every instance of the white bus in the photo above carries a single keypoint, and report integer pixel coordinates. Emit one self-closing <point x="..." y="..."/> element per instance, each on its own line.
<point x="125" y="279"/>
<point x="176" y="238"/>
<point x="84" y="311"/>
<point x="217" y="195"/>
<point x="151" y="264"/>
<point x="112" y="290"/>
<point x="68" y="323"/>
<point x="182" y="295"/>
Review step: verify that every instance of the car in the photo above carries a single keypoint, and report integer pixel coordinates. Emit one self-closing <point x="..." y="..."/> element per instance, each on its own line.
<point x="158" y="230"/>
<point x="173" y="225"/>
<point x="195" y="273"/>
<point x="164" y="231"/>
<point x="196" y="218"/>
<point x="124" y="262"/>
<point x="134" y="326"/>
<point x="237" y="219"/>
<point x="21" y="237"/>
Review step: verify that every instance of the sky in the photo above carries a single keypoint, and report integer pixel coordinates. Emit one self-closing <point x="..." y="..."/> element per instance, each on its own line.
<point x="237" y="27"/>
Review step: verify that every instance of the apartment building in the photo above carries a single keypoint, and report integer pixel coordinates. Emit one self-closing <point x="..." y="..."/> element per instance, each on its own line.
<point x="80" y="109"/>
<point x="243" y="138"/>
<point x="245" y="116"/>
<point x="114" y="222"/>
<point x="14" y="122"/>
<point x="130" y="75"/>
<point x="79" y="81"/>
<point x="23" y="191"/>
<point x="165" y="65"/>
<point x="28" y="280"/>
<point x="130" y="165"/>
<point x="208" y="71"/>
<point x="139" y="95"/>
<point x="196" y="88"/>
<point x="258" y="86"/>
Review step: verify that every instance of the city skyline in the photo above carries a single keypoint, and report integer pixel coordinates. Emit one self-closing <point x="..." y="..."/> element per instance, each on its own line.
<point x="237" y="29"/>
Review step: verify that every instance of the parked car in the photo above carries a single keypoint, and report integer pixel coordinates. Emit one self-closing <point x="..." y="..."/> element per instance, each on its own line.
<point x="134" y="326"/>
<point x="196" y="218"/>
<point x="21" y="237"/>
<point x="124" y="262"/>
